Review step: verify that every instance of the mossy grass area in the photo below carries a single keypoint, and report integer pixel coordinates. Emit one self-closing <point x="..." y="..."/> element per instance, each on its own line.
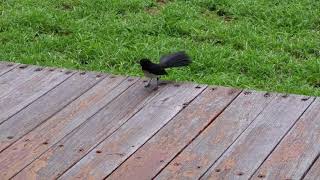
<point x="271" y="45"/>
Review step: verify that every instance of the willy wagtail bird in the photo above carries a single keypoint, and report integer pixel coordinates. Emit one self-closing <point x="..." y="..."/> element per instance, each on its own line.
<point x="152" y="70"/>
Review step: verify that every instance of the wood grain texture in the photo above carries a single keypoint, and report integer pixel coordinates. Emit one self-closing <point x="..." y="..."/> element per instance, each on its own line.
<point x="29" y="91"/>
<point x="73" y="147"/>
<point x="249" y="151"/>
<point x="29" y="147"/>
<point x="314" y="172"/>
<point x="40" y="110"/>
<point x="6" y="66"/>
<point x="214" y="140"/>
<point x="107" y="156"/>
<point x="16" y="77"/>
<point x="164" y="146"/>
<point x="297" y="151"/>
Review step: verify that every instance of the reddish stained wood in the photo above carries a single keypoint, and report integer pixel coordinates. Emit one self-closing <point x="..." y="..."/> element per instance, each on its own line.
<point x="47" y="105"/>
<point x="107" y="156"/>
<point x="257" y="142"/>
<point x="162" y="148"/>
<point x="29" y="91"/>
<point x="25" y="150"/>
<point x="6" y="66"/>
<point x="295" y="154"/>
<point x="314" y="172"/>
<point x="214" y="140"/>
<point x="73" y="147"/>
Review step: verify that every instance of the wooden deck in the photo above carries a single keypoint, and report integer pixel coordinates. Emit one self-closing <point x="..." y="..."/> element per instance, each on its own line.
<point x="60" y="124"/>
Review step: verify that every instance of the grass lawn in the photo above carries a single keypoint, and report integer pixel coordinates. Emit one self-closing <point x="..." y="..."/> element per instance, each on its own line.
<point x="271" y="45"/>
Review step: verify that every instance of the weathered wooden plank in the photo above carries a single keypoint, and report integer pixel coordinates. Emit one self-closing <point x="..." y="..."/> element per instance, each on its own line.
<point x="103" y="159"/>
<point x="29" y="147"/>
<point x="257" y="142"/>
<point x="16" y="77"/>
<point x="6" y="66"/>
<point x="314" y="172"/>
<point x="169" y="141"/>
<point x="47" y="105"/>
<point x="29" y="91"/>
<point x="73" y="147"/>
<point x="214" y="140"/>
<point x="297" y="151"/>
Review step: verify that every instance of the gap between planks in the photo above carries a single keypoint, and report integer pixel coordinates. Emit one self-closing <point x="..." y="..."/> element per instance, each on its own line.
<point x="256" y="143"/>
<point x="38" y="112"/>
<point x="93" y="101"/>
<point x="127" y="139"/>
<point x="202" y="111"/>
<point x="88" y="136"/>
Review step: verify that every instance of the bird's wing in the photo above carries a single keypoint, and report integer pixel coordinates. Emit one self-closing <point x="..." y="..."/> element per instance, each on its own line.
<point x="157" y="70"/>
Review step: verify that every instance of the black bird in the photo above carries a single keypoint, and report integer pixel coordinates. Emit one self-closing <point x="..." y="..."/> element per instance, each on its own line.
<point x="152" y="70"/>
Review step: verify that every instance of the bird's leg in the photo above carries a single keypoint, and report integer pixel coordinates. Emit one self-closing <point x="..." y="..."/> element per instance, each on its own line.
<point x="158" y="81"/>
<point x="157" y="86"/>
<point x="149" y="83"/>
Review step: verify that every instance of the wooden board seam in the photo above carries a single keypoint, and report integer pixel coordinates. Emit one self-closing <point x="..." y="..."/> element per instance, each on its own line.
<point x="285" y="134"/>
<point x="155" y="133"/>
<point x="53" y="113"/>
<point x="313" y="162"/>
<point x="211" y="121"/>
<point x="37" y="98"/>
<point x="75" y="127"/>
<point x="13" y="67"/>
<point x="94" y="146"/>
<point x="235" y="140"/>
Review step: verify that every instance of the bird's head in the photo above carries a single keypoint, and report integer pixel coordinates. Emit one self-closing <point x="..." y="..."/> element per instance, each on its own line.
<point x="145" y="62"/>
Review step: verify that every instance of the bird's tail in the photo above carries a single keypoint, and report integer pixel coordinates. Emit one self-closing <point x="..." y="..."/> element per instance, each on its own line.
<point x="175" y="60"/>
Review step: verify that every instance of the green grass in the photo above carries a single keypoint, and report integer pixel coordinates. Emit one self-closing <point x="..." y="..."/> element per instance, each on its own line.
<point x="271" y="45"/>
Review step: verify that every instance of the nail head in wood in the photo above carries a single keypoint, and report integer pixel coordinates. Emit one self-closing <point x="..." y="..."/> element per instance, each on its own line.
<point x="81" y="150"/>
<point x="261" y="176"/>
<point x="176" y="164"/>
<point x="240" y="173"/>
<point x="23" y="67"/>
